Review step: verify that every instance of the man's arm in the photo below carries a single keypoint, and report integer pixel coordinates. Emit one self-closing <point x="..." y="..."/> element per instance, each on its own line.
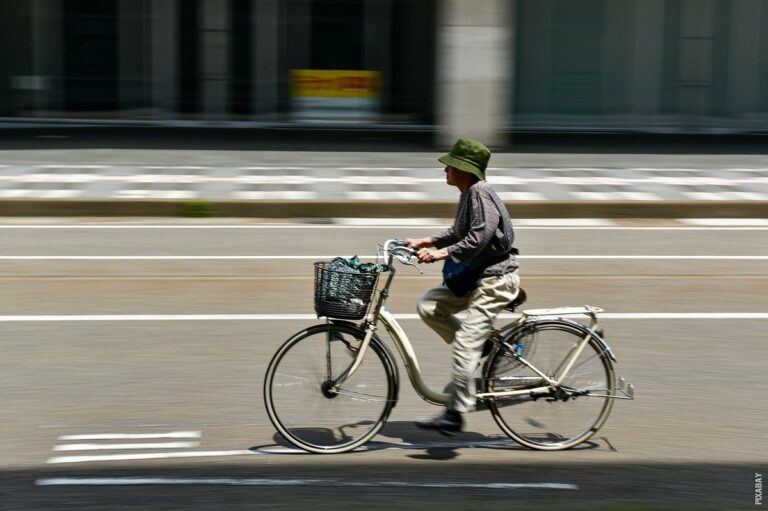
<point x="419" y="242"/>
<point x="484" y="220"/>
<point x="427" y="252"/>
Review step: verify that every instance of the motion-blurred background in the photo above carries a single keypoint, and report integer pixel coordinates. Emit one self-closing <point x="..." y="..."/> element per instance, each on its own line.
<point x="487" y="67"/>
<point x="314" y="126"/>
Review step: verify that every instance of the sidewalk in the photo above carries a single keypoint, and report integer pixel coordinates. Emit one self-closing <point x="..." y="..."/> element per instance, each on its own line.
<point x="160" y="172"/>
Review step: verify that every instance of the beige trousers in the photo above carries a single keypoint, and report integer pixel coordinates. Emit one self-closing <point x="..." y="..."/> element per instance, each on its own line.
<point x="438" y="308"/>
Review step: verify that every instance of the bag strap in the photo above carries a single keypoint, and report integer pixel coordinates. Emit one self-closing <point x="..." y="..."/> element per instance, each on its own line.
<point x="506" y="223"/>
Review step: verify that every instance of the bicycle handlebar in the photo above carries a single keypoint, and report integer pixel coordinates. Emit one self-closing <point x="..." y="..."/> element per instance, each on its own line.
<point x="396" y="248"/>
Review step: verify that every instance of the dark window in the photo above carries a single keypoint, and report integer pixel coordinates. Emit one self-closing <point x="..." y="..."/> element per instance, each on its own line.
<point x="577" y="63"/>
<point x="240" y="57"/>
<point x="90" y="55"/>
<point x="189" y="44"/>
<point x="337" y="34"/>
<point x="413" y="57"/>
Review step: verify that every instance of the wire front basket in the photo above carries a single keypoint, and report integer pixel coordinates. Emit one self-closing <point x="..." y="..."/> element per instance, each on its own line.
<point x="343" y="295"/>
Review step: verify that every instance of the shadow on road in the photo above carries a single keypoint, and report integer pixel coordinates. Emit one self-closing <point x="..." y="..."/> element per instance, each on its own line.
<point x="375" y="482"/>
<point x="432" y="445"/>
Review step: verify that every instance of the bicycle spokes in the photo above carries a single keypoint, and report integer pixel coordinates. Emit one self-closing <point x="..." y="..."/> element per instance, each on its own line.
<point x="550" y="415"/>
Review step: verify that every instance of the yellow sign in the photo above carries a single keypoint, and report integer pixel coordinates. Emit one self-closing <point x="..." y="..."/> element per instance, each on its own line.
<point x="323" y="83"/>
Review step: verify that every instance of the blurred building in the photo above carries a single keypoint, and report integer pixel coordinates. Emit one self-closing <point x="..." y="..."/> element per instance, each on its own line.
<point x="482" y="68"/>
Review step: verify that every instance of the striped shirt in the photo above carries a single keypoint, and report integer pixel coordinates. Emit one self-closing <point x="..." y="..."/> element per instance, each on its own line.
<point x="481" y="232"/>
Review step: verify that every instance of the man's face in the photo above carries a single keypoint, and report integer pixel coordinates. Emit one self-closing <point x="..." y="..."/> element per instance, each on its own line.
<point x="452" y="176"/>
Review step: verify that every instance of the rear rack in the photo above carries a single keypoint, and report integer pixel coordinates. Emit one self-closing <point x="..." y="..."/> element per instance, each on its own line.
<point x="586" y="310"/>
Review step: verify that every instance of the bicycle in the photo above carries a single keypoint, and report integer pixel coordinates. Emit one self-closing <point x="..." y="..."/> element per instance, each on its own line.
<point x="548" y="381"/>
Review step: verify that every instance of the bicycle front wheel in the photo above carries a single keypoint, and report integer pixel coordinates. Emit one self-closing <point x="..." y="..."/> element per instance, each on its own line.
<point x="303" y="402"/>
<point x="562" y="418"/>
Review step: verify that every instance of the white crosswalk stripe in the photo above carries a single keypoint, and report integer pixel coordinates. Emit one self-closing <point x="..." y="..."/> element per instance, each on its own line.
<point x="42" y="194"/>
<point x="521" y="196"/>
<point x="112" y="443"/>
<point x="726" y="195"/>
<point x="376" y="182"/>
<point x="275" y="195"/>
<point x="154" y="194"/>
<point x="404" y="195"/>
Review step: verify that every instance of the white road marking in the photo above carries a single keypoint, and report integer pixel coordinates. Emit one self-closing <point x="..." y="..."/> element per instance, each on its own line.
<point x="515" y="180"/>
<point x="132" y="178"/>
<point x="275" y="195"/>
<point x="414" y="196"/>
<point x="329" y="257"/>
<point x="521" y="196"/>
<point x="398" y="168"/>
<point x="535" y="223"/>
<point x="275" y="167"/>
<point x="165" y="167"/>
<point x="132" y="436"/>
<point x="726" y="195"/>
<point x="652" y="169"/>
<point x="228" y="481"/>
<point x="382" y="446"/>
<point x="386" y="180"/>
<point x="44" y="194"/>
<point x="593" y="196"/>
<point x="735" y="226"/>
<point x="706" y="196"/>
<point x="532" y="224"/>
<point x="110" y="447"/>
<point x="727" y="222"/>
<point x="166" y="258"/>
<point x="155" y="194"/>
<point x="640" y="196"/>
<point x="350" y="223"/>
<point x="685" y="315"/>
<point x="605" y="196"/>
<point x="389" y="223"/>
<point x="749" y="196"/>
<point x="58" y="178"/>
<point x="43" y="318"/>
<point x="145" y="456"/>
<point x="81" y="166"/>
<point x="653" y="257"/>
<point x="383" y="168"/>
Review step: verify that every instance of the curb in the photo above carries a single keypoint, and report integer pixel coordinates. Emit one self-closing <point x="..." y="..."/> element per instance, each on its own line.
<point x="373" y="209"/>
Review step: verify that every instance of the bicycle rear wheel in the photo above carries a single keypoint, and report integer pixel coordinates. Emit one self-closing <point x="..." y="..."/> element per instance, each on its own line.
<point x="299" y="395"/>
<point x="560" y="420"/>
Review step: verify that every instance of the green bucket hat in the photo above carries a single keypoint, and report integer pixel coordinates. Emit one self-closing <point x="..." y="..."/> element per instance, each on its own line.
<point x="468" y="155"/>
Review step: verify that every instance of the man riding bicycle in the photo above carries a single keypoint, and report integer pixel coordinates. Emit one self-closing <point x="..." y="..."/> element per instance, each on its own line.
<point x="480" y="275"/>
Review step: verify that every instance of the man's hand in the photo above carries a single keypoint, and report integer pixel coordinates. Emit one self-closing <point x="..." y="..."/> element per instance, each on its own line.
<point x="431" y="255"/>
<point x="419" y="242"/>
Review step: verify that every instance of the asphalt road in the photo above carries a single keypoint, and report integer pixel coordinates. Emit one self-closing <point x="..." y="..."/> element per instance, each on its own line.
<point x="137" y="332"/>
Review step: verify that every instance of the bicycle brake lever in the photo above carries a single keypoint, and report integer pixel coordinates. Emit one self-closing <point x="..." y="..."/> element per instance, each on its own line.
<point x="415" y="266"/>
<point x="407" y="262"/>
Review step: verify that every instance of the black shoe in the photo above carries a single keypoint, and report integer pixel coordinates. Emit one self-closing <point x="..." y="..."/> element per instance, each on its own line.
<point x="448" y="423"/>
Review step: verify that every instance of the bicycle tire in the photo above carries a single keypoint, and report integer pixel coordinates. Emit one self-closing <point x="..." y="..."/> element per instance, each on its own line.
<point x="552" y="422"/>
<point x="314" y="418"/>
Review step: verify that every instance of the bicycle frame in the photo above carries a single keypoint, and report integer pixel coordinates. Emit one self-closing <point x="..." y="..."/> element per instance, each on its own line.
<point x="568" y="361"/>
<point x="379" y="313"/>
<point x="399" y="337"/>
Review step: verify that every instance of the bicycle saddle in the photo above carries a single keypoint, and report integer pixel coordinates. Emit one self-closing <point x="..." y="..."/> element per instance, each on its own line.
<point x="520" y="299"/>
